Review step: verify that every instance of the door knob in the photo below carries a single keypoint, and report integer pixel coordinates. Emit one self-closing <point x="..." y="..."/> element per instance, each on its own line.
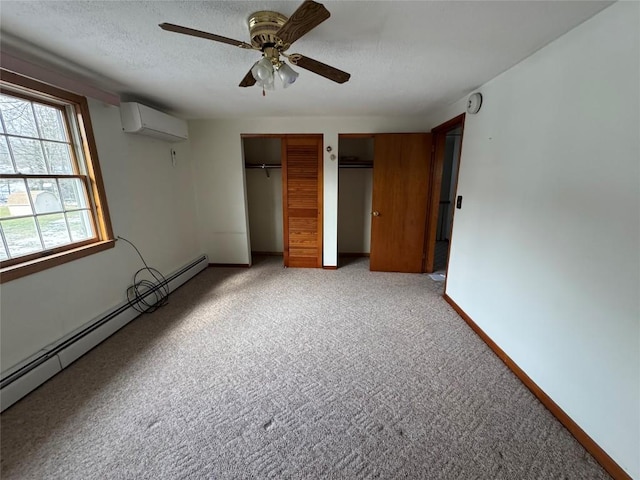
<point x="375" y="213"/>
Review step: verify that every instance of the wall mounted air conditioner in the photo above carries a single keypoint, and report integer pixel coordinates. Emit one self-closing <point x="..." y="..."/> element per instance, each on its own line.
<point x="143" y="120"/>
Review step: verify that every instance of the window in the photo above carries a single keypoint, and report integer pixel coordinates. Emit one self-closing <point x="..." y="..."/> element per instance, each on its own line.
<point x="52" y="204"/>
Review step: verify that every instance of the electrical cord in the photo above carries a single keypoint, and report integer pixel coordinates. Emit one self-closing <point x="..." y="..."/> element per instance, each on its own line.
<point x="146" y="296"/>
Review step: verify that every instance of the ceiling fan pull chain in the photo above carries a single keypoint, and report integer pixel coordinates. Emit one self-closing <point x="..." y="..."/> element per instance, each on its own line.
<point x="263" y="93"/>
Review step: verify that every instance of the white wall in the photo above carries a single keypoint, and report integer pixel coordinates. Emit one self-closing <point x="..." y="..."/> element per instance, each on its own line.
<point x="151" y="203"/>
<point x="264" y="193"/>
<point x="545" y="253"/>
<point x="262" y="150"/>
<point x="359" y="149"/>
<point x="355" y="192"/>
<point x="354" y="210"/>
<point x="220" y="175"/>
<point x="264" y="197"/>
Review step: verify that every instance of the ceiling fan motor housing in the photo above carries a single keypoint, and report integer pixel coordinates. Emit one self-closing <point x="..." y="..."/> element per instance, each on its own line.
<point x="263" y="27"/>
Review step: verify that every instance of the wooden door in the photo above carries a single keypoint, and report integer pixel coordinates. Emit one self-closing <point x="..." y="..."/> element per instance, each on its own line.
<point x="302" y="200"/>
<point x="401" y="172"/>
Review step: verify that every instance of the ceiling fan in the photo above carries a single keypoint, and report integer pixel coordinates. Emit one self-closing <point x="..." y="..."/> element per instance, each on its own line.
<point x="272" y="33"/>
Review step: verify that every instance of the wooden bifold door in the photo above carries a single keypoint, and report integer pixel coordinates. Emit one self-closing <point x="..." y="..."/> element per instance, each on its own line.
<point x="302" y="200"/>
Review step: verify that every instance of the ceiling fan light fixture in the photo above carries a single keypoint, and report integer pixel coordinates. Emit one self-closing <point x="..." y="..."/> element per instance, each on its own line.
<point x="287" y="74"/>
<point x="269" y="85"/>
<point x="262" y="71"/>
<point x="272" y="34"/>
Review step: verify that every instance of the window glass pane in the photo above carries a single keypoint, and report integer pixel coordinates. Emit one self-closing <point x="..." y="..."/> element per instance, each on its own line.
<point x="59" y="157"/>
<point x="14" y="200"/>
<point x="80" y="225"/>
<point x="50" y="122"/>
<point x="5" y="159"/>
<point x="28" y="155"/>
<point x="3" y="252"/>
<point x="54" y="230"/>
<point x="18" y="116"/>
<point x="22" y="236"/>
<point x="47" y="178"/>
<point x="45" y="195"/>
<point x="73" y="193"/>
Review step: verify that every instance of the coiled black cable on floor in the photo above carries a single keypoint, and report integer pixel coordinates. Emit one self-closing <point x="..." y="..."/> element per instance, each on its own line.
<point x="145" y="295"/>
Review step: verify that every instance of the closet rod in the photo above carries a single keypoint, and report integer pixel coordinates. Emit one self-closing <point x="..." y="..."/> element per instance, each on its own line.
<point x="262" y="165"/>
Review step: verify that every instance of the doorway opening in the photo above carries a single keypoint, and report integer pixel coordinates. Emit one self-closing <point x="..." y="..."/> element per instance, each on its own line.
<point x="355" y="189"/>
<point x="263" y="178"/>
<point x="448" y="146"/>
<point x="453" y="142"/>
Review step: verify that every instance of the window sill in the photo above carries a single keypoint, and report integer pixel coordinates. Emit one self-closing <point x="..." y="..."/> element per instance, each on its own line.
<point x="27" y="268"/>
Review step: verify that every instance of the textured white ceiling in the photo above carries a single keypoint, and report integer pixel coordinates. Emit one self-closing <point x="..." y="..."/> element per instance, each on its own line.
<point x="405" y="58"/>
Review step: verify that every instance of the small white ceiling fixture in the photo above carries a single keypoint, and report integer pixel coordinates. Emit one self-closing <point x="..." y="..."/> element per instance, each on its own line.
<point x="474" y="103"/>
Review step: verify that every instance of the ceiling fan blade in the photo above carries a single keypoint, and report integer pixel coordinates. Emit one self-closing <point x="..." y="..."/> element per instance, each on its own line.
<point x="248" y="80"/>
<point x="307" y="17"/>
<point x="198" y="33"/>
<point x="323" y="69"/>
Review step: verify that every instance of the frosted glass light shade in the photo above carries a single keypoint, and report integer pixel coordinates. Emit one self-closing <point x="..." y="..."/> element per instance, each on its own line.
<point x="262" y="71"/>
<point x="268" y="85"/>
<point x="287" y="75"/>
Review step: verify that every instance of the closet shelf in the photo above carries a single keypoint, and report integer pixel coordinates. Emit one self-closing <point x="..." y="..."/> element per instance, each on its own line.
<point x="356" y="165"/>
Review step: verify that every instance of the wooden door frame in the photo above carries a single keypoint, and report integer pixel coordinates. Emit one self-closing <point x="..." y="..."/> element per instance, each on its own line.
<point x="439" y="135"/>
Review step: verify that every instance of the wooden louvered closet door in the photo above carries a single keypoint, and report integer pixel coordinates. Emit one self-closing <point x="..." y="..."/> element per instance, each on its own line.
<point x="302" y="200"/>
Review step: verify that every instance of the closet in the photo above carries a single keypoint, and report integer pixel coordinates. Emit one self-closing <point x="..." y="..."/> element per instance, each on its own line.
<point x="383" y="197"/>
<point x="263" y="176"/>
<point x="283" y="178"/>
<point x="355" y="187"/>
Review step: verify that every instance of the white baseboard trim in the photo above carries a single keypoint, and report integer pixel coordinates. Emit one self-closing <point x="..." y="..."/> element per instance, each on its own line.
<point x="29" y="381"/>
<point x="28" y="375"/>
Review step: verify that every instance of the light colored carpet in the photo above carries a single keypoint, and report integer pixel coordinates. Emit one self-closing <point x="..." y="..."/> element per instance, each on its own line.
<point x="291" y="373"/>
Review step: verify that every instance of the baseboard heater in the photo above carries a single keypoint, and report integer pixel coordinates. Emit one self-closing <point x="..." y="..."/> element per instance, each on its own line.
<point x="21" y="379"/>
